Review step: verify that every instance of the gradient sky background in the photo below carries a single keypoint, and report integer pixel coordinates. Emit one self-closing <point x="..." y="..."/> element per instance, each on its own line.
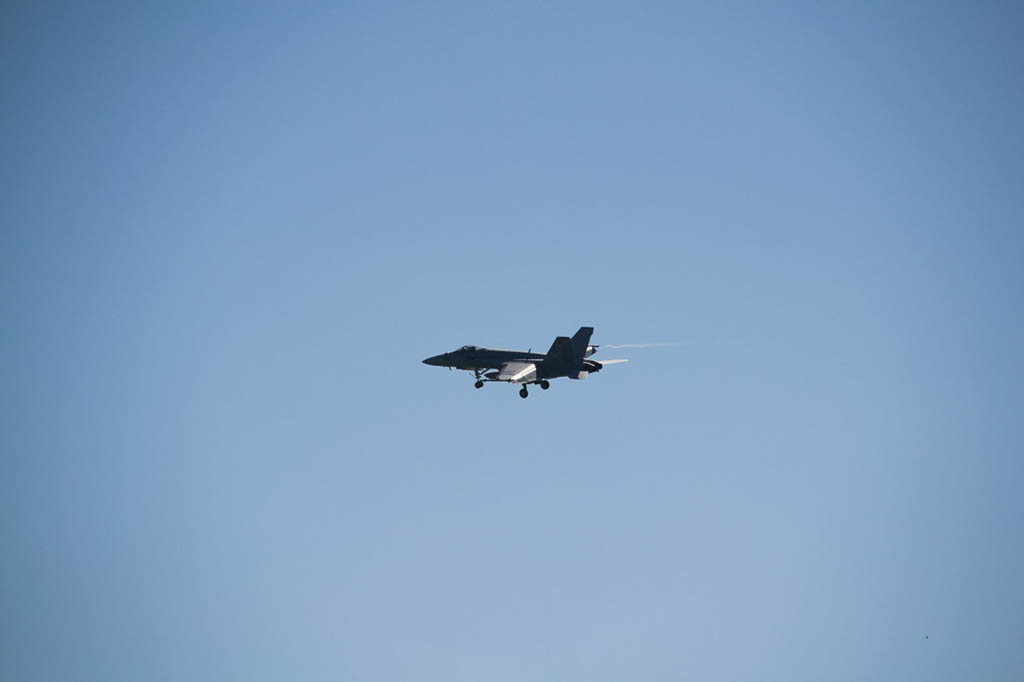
<point x="231" y="234"/>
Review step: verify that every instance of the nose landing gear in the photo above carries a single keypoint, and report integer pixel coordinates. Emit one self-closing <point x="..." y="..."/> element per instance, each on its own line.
<point x="478" y="384"/>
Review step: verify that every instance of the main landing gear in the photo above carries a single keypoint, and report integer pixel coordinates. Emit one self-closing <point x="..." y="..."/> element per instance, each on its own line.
<point x="478" y="384"/>
<point x="544" y="385"/>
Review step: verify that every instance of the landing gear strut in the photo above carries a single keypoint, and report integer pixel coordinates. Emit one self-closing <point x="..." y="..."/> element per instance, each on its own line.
<point x="523" y="393"/>
<point x="545" y="385"/>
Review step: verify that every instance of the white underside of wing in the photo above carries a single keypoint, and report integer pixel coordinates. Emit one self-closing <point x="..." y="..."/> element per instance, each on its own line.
<point x="517" y="372"/>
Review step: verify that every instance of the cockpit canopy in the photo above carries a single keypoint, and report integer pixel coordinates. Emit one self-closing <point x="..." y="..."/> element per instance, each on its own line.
<point x="468" y="348"/>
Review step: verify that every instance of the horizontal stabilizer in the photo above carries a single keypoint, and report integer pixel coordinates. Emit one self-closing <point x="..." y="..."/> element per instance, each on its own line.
<point x="609" y="362"/>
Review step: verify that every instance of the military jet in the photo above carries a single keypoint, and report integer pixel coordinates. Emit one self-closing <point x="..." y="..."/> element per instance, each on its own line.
<point x="567" y="357"/>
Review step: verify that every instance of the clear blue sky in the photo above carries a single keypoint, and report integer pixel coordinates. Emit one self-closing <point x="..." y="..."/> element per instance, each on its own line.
<point x="229" y="236"/>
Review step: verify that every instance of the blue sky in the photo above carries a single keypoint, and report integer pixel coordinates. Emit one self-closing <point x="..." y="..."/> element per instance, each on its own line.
<point x="231" y="234"/>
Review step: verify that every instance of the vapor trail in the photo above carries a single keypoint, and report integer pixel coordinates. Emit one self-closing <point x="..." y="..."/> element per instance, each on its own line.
<point x="641" y="345"/>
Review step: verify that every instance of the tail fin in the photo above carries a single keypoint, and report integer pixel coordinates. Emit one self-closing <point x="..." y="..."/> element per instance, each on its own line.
<point x="580" y="341"/>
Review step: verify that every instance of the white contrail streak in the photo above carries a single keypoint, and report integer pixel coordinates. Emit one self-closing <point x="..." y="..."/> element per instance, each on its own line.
<point x="641" y="345"/>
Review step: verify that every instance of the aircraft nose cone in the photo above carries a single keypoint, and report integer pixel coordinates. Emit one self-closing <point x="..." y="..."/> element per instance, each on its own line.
<point x="435" y="360"/>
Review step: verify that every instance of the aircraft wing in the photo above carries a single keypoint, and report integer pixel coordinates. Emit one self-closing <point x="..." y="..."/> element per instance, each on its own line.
<point x="517" y="372"/>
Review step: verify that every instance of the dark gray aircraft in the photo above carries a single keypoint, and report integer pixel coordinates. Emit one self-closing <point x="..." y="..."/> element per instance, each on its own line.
<point x="566" y="358"/>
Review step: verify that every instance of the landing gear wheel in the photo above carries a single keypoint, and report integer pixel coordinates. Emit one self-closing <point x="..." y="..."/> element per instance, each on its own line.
<point x="545" y="385"/>
<point x="523" y="392"/>
<point x="479" y="384"/>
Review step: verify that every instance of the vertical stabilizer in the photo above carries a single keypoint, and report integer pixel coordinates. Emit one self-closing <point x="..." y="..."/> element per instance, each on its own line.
<point x="580" y="341"/>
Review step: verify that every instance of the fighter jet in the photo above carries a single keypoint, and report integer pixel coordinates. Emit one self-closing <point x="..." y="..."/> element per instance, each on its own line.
<point x="567" y="357"/>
